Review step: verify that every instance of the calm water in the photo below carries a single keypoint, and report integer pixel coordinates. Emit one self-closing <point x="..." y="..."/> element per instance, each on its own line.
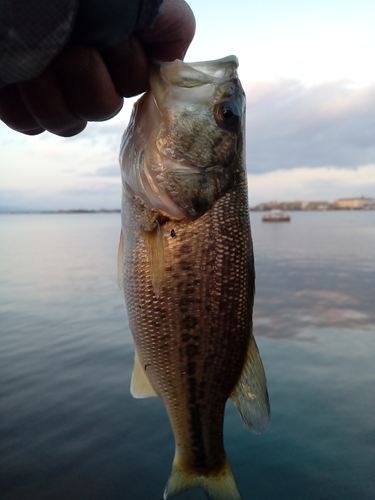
<point x="70" y="429"/>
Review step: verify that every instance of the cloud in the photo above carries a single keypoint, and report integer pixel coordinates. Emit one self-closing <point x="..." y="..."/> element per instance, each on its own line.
<point x="303" y="142"/>
<point x="91" y="194"/>
<point x="110" y="171"/>
<point x="317" y="309"/>
<point x="320" y="184"/>
<point x="290" y="125"/>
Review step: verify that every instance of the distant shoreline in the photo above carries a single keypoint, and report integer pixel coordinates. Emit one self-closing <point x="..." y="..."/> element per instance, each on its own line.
<point x="72" y="211"/>
<point x="359" y="203"/>
<point x="363" y="203"/>
<point x="254" y="209"/>
<point x="118" y="210"/>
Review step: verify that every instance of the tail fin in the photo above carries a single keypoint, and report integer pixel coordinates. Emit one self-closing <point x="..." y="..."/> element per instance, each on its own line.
<point x="221" y="486"/>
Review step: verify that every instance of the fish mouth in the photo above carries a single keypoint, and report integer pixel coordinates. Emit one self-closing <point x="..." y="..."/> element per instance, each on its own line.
<point x="195" y="74"/>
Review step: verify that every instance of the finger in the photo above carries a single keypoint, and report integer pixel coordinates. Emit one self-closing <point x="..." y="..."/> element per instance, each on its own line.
<point x="87" y="86"/>
<point x="14" y="113"/>
<point x="172" y="32"/>
<point x="128" y="66"/>
<point x="45" y="103"/>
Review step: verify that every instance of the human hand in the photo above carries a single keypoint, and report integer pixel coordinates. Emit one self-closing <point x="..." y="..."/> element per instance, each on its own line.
<point x="84" y="84"/>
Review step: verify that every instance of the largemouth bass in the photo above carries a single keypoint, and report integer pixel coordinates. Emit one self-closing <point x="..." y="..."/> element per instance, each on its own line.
<point x="186" y="264"/>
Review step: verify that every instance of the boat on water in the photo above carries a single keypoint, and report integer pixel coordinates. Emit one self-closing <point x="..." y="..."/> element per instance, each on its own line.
<point x="276" y="215"/>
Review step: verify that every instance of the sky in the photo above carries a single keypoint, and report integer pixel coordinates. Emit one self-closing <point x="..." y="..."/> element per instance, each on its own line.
<point x="309" y="76"/>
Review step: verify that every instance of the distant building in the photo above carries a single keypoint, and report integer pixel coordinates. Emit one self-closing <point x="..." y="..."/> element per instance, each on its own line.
<point x="316" y="205"/>
<point x="354" y="203"/>
<point x="291" y="205"/>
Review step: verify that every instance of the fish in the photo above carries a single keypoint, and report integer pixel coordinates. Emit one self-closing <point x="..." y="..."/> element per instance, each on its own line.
<point x="186" y="265"/>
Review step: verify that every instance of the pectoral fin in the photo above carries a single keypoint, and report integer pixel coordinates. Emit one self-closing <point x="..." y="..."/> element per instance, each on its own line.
<point x="250" y="395"/>
<point x="155" y="251"/>
<point x="120" y="260"/>
<point x="140" y="386"/>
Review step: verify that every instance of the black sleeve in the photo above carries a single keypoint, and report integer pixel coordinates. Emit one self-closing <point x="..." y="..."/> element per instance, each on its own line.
<point x="105" y="23"/>
<point x="33" y="32"/>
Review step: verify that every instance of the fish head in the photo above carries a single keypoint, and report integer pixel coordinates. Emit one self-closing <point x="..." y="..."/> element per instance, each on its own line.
<point x="190" y="128"/>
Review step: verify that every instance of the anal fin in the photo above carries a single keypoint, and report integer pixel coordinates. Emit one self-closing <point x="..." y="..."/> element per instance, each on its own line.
<point x="140" y="386"/>
<point x="250" y="395"/>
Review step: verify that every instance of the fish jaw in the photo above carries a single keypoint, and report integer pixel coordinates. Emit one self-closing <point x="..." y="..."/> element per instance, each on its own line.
<point x="140" y="162"/>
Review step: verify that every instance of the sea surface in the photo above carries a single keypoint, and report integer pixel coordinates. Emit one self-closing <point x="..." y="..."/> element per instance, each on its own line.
<point x="70" y="429"/>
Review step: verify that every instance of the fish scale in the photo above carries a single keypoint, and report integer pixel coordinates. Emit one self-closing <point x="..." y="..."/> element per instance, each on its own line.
<point x="189" y="289"/>
<point x="190" y="300"/>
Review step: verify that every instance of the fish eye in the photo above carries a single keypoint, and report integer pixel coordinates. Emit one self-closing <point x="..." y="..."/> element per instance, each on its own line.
<point x="228" y="115"/>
